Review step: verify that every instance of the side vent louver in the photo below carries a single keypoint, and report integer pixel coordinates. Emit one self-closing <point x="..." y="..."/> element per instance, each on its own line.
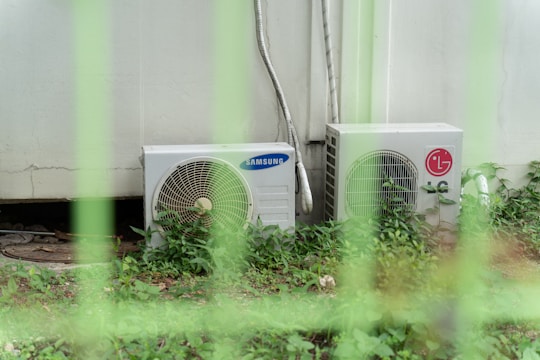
<point x="330" y="178"/>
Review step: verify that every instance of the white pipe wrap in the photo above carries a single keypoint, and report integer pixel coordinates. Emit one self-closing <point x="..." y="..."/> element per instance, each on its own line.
<point x="268" y="62"/>
<point x="481" y="184"/>
<point x="307" y="200"/>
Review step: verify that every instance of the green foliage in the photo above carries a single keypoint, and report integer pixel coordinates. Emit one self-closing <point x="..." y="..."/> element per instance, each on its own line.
<point x="31" y="282"/>
<point x="404" y="264"/>
<point x="173" y="346"/>
<point x="514" y="339"/>
<point x="37" y="348"/>
<point x="439" y="190"/>
<point x="126" y="284"/>
<point x="287" y="345"/>
<point x="395" y="309"/>
<point x="517" y="209"/>
<point x="272" y="247"/>
<point x="513" y="213"/>
<point x="187" y="245"/>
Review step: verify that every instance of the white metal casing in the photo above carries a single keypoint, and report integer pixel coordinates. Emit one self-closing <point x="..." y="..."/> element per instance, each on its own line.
<point x="434" y="149"/>
<point x="272" y="188"/>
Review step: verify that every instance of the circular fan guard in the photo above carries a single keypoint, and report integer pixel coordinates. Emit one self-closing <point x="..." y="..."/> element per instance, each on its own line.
<point x="203" y="187"/>
<point x="380" y="181"/>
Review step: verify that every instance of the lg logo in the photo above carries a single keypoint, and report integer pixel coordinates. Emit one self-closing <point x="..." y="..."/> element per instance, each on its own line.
<point x="439" y="162"/>
<point x="442" y="187"/>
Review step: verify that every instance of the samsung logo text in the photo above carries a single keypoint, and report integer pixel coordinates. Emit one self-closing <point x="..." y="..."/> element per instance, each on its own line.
<point x="264" y="161"/>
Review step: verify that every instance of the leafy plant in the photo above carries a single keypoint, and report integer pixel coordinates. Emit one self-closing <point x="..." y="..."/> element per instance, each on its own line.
<point x="187" y="245"/>
<point x="126" y="283"/>
<point x="37" y="348"/>
<point x="518" y="208"/>
<point x="397" y="311"/>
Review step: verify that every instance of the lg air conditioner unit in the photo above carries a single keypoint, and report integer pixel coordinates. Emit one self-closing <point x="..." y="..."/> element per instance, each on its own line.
<point x="229" y="184"/>
<point x="371" y="164"/>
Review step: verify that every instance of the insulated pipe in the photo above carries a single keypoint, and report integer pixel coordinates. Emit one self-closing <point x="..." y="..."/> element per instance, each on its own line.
<point x="330" y="63"/>
<point x="307" y="200"/>
<point x="481" y="185"/>
<point x="270" y="68"/>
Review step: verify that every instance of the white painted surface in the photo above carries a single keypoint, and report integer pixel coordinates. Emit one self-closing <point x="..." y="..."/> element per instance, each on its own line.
<point x="162" y="78"/>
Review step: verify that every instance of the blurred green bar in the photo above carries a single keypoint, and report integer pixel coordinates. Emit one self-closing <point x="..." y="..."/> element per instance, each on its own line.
<point x="357" y="60"/>
<point x="233" y="35"/>
<point x="231" y="123"/>
<point x="484" y="61"/>
<point x="92" y="212"/>
<point x="483" y="93"/>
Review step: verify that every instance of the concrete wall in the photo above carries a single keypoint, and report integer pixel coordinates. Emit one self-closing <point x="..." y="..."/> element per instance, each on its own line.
<point x="471" y="64"/>
<point x="468" y="63"/>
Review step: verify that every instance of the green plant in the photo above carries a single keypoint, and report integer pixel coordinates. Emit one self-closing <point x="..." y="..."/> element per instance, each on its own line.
<point x="126" y="283"/>
<point x="37" y="348"/>
<point x="439" y="191"/>
<point x="283" y="344"/>
<point x="358" y="344"/>
<point x="187" y="245"/>
<point x="515" y="339"/>
<point x="269" y="246"/>
<point x="25" y="282"/>
<point x="390" y="301"/>
<point x="298" y="348"/>
<point x="171" y="346"/>
<point x="404" y="264"/>
<point x="517" y="209"/>
<point x="9" y="290"/>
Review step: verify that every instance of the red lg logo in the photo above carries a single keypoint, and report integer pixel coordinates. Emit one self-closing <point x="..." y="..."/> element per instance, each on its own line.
<point x="438" y="162"/>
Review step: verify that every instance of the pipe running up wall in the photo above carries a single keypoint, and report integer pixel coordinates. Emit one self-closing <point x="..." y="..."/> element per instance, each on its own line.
<point x="307" y="200"/>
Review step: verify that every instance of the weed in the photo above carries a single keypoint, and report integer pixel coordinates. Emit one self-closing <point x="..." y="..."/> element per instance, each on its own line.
<point x="287" y="345"/>
<point x="187" y="245"/>
<point x="37" y="348"/>
<point x="387" y="304"/>
<point x="518" y="209"/>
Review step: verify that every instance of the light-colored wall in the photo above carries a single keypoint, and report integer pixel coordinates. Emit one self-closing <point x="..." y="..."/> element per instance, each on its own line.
<point x="470" y="64"/>
<point x="397" y="61"/>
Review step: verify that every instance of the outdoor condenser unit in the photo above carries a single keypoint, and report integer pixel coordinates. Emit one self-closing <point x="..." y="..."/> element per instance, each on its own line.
<point x="371" y="164"/>
<point x="229" y="184"/>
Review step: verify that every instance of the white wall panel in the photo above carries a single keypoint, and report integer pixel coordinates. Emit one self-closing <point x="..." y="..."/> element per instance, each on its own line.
<point x="162" y="79"/>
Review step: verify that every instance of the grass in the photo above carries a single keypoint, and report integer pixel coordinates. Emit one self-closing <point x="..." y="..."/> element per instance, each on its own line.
<point x="257" y="294"/>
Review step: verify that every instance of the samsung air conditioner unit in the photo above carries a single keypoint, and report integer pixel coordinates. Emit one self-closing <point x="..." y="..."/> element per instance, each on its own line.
<point x="371" y="168"/>
<point x="229" y="184"/>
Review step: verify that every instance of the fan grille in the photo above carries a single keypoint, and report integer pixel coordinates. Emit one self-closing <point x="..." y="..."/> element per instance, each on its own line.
<point x="380" y="181"/>
<point x="206" y="184"/>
